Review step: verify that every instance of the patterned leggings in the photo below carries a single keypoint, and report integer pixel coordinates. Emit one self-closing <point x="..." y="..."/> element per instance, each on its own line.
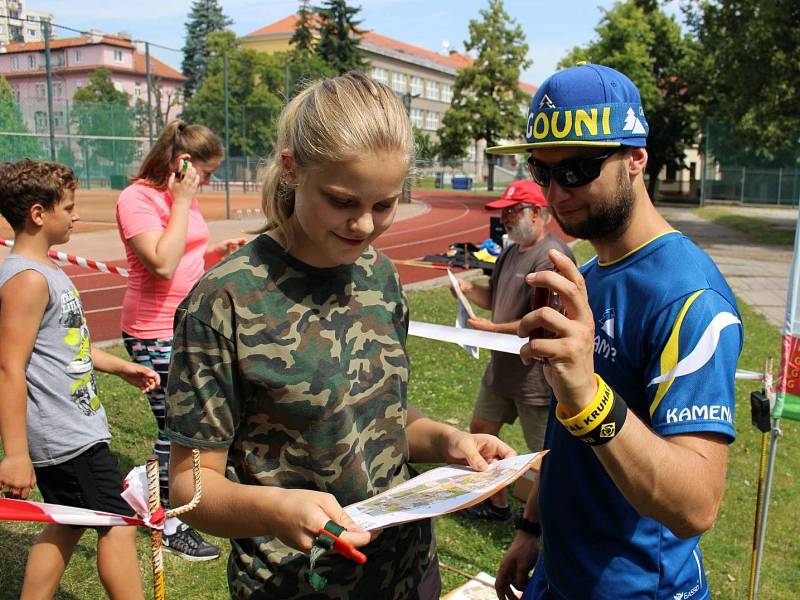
<point x="155" y="354"/>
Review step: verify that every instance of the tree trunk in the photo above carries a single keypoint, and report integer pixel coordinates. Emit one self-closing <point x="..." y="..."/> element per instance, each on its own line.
<point x="490" y="173"/>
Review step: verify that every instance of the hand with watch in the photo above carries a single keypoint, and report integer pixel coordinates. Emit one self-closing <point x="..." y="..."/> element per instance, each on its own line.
<point x="531" y="527"/>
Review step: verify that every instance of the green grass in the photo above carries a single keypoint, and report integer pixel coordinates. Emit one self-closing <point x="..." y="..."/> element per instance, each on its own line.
<point x="583" y="251"/>
<point x="760" y="230"/>
<point x="444" y="384"/>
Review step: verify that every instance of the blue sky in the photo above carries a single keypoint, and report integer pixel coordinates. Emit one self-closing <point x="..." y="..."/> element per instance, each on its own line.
<point x="552" y="27"/>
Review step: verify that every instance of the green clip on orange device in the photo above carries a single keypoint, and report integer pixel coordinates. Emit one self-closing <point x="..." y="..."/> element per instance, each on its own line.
<point x="328" y="539"/>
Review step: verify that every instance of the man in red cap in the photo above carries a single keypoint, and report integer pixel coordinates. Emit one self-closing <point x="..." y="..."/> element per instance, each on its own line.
<point x="510" y="389"/>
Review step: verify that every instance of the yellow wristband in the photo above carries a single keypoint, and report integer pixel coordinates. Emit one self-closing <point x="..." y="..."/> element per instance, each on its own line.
<point x="591" y="416"/>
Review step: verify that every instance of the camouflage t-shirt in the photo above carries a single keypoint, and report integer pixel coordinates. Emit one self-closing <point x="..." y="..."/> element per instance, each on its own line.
<point x="301" y="373"/>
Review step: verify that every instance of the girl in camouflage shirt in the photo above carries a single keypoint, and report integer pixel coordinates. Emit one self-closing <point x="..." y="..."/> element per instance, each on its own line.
<point x="290" y="370"/>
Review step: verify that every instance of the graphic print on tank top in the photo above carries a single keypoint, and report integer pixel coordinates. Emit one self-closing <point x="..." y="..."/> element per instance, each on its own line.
<point x="84" y="389"/>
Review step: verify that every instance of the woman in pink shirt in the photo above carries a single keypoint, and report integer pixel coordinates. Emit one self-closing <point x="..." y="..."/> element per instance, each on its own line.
<point x="166" y="242"/>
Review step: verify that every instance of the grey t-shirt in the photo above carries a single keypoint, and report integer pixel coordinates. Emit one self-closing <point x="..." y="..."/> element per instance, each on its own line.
<point x="511" y="300"/>
<point x="64" y="414"/>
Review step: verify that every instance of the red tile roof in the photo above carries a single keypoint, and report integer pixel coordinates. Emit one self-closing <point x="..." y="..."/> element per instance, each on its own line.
<point x="528" y="87"/>
<point x="56" y="44"/>
<point x="454" y="60"/>
<point x="157" y="68"/>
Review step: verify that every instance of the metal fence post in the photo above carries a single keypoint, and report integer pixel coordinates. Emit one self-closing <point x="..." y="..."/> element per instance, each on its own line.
<point x="741" y="190"/>
<point x="780" y="182"/>
<point x="227" y="139"/>
<point x="48" y="68"/>
<point x="149" y="92"/>
<point x="705" y="166"/>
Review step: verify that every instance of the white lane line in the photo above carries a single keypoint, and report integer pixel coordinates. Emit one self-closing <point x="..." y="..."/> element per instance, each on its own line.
<point x="99" y="310"/>
<point x="436" y="224"/>
<point x="103" y="289"/>
<point x="433" y="239"/>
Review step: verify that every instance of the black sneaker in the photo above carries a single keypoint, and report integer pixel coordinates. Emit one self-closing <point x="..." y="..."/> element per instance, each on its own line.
<point x="189" y="545"/>
<point x="485" y="511"/>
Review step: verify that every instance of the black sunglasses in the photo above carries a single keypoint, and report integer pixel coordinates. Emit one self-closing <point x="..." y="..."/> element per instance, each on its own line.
<point x="573" y="173"/>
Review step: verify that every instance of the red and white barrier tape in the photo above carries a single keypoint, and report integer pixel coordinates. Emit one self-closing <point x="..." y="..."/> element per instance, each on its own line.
<point x="86" y="263"/>
<point x="135" y="494"/>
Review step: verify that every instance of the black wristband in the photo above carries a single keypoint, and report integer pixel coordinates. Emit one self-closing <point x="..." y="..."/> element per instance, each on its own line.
<point x="610" y="426"/>
<point x="528" y="526"/>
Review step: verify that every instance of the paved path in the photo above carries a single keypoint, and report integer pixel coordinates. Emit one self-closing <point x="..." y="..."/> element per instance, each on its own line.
<point x="759" y="275"/>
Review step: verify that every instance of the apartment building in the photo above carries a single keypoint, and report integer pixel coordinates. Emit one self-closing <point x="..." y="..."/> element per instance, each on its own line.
<point x="72" y="62"/>
<point x="18" y="23"/>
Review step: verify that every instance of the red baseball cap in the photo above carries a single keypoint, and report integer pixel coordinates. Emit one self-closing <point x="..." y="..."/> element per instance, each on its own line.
<point x="522" y="191"/>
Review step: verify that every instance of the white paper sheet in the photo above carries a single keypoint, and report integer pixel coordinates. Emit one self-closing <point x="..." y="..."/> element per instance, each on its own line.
<point x="502" y="342"/>
<point x="438" y="491"/>
<point x="459" y="294"/>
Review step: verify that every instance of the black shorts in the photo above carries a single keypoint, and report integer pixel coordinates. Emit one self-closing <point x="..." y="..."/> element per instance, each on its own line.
<point x="90" y="480"/>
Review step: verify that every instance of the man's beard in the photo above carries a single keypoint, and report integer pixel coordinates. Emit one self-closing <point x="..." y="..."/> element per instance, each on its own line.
<point x="523" y="233"/>
<point x="605" y="219"/>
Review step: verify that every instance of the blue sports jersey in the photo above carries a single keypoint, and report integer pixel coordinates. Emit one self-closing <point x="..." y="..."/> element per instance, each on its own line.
<point x="667" y="338"/>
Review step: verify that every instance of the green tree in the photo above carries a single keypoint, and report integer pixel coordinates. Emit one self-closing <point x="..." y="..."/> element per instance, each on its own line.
<point x="302" y="65"/>
<point x="205" y="18"/>
<point x="638" y="39"/>
<point x="14" y="147"/>
<point x="486" y="97"/>
<point x="303" y="36"/>
<point x="99" y="109"/>
<point x="255" y="96"/>
<point x="426" y="149"/>
<point x="748" y="74"/>
<point x="339" y="35"/>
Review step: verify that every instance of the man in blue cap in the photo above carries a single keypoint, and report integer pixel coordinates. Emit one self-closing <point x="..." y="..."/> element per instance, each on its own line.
<point x="642" y="365"/>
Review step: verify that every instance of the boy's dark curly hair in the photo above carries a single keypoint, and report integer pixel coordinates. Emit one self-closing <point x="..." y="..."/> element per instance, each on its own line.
<point x="28" y="182"/>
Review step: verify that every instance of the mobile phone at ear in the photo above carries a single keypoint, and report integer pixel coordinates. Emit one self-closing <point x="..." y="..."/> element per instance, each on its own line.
<point x="184" y="165"/>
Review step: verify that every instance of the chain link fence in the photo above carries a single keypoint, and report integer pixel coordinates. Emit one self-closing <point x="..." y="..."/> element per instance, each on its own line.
<point x="731" y="174"/>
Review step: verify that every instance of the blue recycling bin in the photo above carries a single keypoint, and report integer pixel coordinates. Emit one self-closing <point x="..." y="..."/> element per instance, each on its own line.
<point x="461" y="183"/>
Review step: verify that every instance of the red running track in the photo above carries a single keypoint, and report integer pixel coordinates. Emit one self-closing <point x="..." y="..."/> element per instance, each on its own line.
<point x="449" y="219"/>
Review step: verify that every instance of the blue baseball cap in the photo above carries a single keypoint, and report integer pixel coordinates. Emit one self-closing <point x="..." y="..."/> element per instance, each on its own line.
<point x="587" y="105"/>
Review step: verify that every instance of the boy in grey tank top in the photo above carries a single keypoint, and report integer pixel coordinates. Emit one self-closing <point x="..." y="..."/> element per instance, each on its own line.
<point x="52" y="425"/>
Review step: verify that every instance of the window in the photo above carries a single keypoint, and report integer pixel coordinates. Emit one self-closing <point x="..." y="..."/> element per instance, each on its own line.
<point x="416" y="86"/>
<point x="15" y="63"/>
<point x="447" y="94"/>
<point x="118" y="86"/>
<point x="15" y="93"/>
<point x="118" y="56"/>
<point x="79" y="84"/>
<point x="432" y="120"/>
<point x="399" y="82"/>
<point x="416" y="117"/>
<point x="381" y="75"/>
<point x="31" y="61"/>
<point x="32" y="33"/>
<point x="58" y="118"/>
<point x="40" y="121"/>
<point x="77" y="56"/>
<point x="41" y="90"/>
<point x="137" y="91"/>
<point x="433" y="90"/>
<point x="58" y="89"/>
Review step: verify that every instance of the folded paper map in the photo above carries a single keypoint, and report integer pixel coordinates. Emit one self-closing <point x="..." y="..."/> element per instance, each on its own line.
<point x="439" y="491"/>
